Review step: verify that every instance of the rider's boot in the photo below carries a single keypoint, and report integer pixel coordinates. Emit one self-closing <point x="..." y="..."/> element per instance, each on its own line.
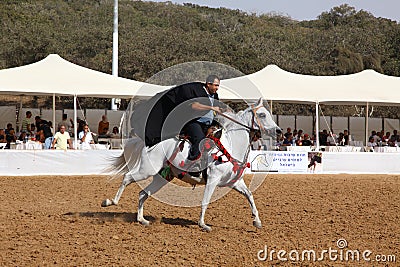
<point x="193" y="165"/>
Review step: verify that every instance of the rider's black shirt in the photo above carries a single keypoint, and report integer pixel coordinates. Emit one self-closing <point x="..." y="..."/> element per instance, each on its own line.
<point x="165" y="114"/>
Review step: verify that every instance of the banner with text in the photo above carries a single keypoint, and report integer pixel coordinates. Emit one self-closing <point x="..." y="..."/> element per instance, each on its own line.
<point x="278" y="161"/>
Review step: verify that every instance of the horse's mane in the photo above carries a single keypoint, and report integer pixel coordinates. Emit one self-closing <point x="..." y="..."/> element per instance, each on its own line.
<point x="224" y="122"/>
<point x="227" y="123"/>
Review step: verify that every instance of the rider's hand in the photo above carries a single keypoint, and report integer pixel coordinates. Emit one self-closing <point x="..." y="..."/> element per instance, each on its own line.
<point x="216" y="109"/>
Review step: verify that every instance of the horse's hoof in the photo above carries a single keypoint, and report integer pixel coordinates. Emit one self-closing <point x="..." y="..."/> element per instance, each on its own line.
<point x="205" y="228"/>
<point x="144" y="222"/>
<point x="257" y="224"/>
<point x="106" y="203"/>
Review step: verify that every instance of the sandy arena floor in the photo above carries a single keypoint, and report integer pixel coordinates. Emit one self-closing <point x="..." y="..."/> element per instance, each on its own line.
<point x="48" y="221"/>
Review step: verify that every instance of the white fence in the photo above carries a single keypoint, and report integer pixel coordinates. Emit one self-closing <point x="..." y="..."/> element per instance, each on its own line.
<point x="96" y="162"/>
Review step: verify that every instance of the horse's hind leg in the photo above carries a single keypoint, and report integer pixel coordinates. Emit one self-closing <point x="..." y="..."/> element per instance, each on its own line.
<point x="157" y="183"/>
<point x="128" y="179"/>
<point x="241" y="187"/>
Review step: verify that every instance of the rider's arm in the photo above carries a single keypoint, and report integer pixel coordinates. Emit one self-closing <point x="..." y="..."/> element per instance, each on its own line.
<point x="200" y="107"/>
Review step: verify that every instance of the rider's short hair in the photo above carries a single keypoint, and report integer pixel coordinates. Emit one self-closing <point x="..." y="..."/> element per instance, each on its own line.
<point x="211" y="78"/>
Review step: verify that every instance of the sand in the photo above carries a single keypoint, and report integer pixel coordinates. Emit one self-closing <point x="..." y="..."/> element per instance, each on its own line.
<point x="48" y="221"/>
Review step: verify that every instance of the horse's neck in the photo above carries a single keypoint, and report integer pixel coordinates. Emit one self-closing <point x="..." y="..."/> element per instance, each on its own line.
<point x="237" y="143"/>
<point x="235" y="138"/>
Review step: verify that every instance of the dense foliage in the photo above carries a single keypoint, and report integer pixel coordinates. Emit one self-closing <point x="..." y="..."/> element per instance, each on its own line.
<point x="154" y="36"/>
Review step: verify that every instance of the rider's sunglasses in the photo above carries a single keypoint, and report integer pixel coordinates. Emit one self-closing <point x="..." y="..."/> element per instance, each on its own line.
<point x="215" y="84"/>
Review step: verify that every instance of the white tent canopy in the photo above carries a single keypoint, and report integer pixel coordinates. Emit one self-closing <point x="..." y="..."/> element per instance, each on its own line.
<point x="55" y="75"/>
<point x="366" y="87"/>
<point x="359" y="88"/>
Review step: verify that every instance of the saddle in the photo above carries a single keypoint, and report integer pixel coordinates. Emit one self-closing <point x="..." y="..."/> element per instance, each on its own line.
<point x="212" y="134"/>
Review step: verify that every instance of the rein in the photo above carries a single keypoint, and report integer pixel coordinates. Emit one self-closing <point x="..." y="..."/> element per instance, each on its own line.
<point x="254" y="117"/>
<point x="237" y="122"/>
<point x="254" y="111"/>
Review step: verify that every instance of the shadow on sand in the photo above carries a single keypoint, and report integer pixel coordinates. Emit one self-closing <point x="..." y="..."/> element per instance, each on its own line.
<point x="127" y="217"/>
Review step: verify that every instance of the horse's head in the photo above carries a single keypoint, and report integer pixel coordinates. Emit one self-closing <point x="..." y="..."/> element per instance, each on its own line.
<point x="258" y="117"/>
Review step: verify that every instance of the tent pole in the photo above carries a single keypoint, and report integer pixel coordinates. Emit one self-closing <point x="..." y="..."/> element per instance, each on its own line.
<point x="317" y="125"/>
<point x="115" y="49"/>
<point x="19" y="121"/>
<point x="366" y="123"/>
<point x="54" y="112"/>
<point x="270" y="107"/>
<point x="75" y="124"/>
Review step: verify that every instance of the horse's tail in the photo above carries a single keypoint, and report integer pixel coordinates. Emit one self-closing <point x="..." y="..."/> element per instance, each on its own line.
<point x="130" y="158"/>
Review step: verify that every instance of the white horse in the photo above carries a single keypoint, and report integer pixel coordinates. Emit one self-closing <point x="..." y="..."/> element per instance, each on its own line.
<point x="139" y="162"/>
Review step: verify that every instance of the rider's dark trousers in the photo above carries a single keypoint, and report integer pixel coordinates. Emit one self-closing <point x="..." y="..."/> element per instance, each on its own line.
<point x="196" y="132"/>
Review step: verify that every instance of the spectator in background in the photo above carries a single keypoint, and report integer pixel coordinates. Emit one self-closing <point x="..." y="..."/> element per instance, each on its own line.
<point x="331" y="140"/>
<point x="44" y="132"/>
<point x="115" y="132"/>
<point x="288" y="141"/>
<point x="67" y="124"/>
<point x="9" y="127"/>
<point x="62" y="140"/>
<point x="50" y="123"/>
<point x="295" y="137"/>
<point x="299" y="137"/>
<point x="38" y="121"/>
<point x="307" y="141"/>
<point x="26" y="123"/>
<point x="256" y="143"/>
<point x="340" y="139"/>
<point x="346" y="137"/>
<point x="376" y="136"/>
<point x="2" y="136"/>
<point x="10" y="138"/>
<point x="33" y="131"/>
<point x="104" y="126"/>
<point x="386" y="137"/>
<point x="371" y="142"/>
<point x="395" y="137"/>
<point x="279" y="141"/>
<point x="288" y="131"/>
<point x="323" y="138"/>
<point x="81" y="125"/>
<point x="379" y="135"/>
<point x="22" y="136"/>
<point x="86" y="138"/>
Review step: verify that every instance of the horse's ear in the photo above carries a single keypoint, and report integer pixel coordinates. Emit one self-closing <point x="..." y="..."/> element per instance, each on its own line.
<point x="259" y="102"/>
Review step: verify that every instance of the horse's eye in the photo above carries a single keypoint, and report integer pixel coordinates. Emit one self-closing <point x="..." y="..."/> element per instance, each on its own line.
<point x="262" y="115"/>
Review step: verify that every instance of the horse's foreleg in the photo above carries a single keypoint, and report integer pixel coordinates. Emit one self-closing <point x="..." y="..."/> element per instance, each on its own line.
<point x="157" y="183"/>
<point x="241" y="187"/>
<point x="208" y="191"/>
<point x="125" y="182"/>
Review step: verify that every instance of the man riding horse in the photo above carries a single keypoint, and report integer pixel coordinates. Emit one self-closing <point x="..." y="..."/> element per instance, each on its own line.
<point x="197" y="128"/>
<point x="188" y="108"/>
